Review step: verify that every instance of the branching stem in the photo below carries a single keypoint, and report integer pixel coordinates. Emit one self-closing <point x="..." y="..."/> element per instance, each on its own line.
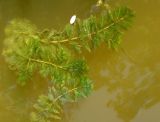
<point x="75" y="38"/>
<point x="43" y="62"/>
<point x="69" y="91"/>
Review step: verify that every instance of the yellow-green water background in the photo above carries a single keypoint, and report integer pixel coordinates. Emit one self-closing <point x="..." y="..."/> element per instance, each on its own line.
<point x="127" y="82"/>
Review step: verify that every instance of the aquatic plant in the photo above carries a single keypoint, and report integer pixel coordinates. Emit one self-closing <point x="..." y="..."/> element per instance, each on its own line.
<point x="53" y="54"/>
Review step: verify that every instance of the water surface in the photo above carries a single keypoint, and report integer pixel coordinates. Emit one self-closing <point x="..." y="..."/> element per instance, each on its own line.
<point x="127" y="82"/>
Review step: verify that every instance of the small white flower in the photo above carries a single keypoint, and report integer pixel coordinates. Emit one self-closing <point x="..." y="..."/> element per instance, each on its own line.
<point x="73" y="19"/>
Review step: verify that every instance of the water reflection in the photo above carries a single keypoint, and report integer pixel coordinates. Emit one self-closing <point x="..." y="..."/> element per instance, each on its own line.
<point x="132" y="91"/>
<point x="131" y="86"/>
<point x="94" y="110"/>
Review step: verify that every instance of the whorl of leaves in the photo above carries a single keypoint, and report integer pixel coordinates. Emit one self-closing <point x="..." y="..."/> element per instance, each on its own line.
<point x="91" y="32"/>
<point x="49" y="52"/>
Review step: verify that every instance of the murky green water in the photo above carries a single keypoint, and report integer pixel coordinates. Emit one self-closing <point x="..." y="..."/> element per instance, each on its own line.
<point x="127" y="82"/>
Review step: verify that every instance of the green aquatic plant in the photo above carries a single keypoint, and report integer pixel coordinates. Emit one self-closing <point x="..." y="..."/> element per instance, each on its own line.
<point x="53" y="54"/>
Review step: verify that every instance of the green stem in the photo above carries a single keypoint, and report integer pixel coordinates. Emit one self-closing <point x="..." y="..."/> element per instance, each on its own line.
<point x="43" y="62"/>
<point x="58" y="97"/>
<point x="88" y="35"/>
<point x="69" y="91"/>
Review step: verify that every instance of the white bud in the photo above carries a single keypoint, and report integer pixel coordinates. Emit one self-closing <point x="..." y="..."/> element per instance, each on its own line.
<point x="73" y="19"/>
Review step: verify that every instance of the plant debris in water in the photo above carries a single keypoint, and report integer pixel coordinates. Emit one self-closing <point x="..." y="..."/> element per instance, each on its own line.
<point x="52" y="54"/>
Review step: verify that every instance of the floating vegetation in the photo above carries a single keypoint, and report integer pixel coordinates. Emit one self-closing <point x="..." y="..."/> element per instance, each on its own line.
<point x="53" y="53"/>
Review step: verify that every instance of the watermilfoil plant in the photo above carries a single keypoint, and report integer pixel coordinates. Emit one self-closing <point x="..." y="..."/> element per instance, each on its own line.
<point x="52" y="54"/>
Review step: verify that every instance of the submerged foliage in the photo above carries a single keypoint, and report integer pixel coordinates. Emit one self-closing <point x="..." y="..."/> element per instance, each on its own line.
<point x="51" y="53"/>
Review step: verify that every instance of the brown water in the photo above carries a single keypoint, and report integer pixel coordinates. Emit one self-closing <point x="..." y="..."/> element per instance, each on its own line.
<point x="127" y="82"/>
